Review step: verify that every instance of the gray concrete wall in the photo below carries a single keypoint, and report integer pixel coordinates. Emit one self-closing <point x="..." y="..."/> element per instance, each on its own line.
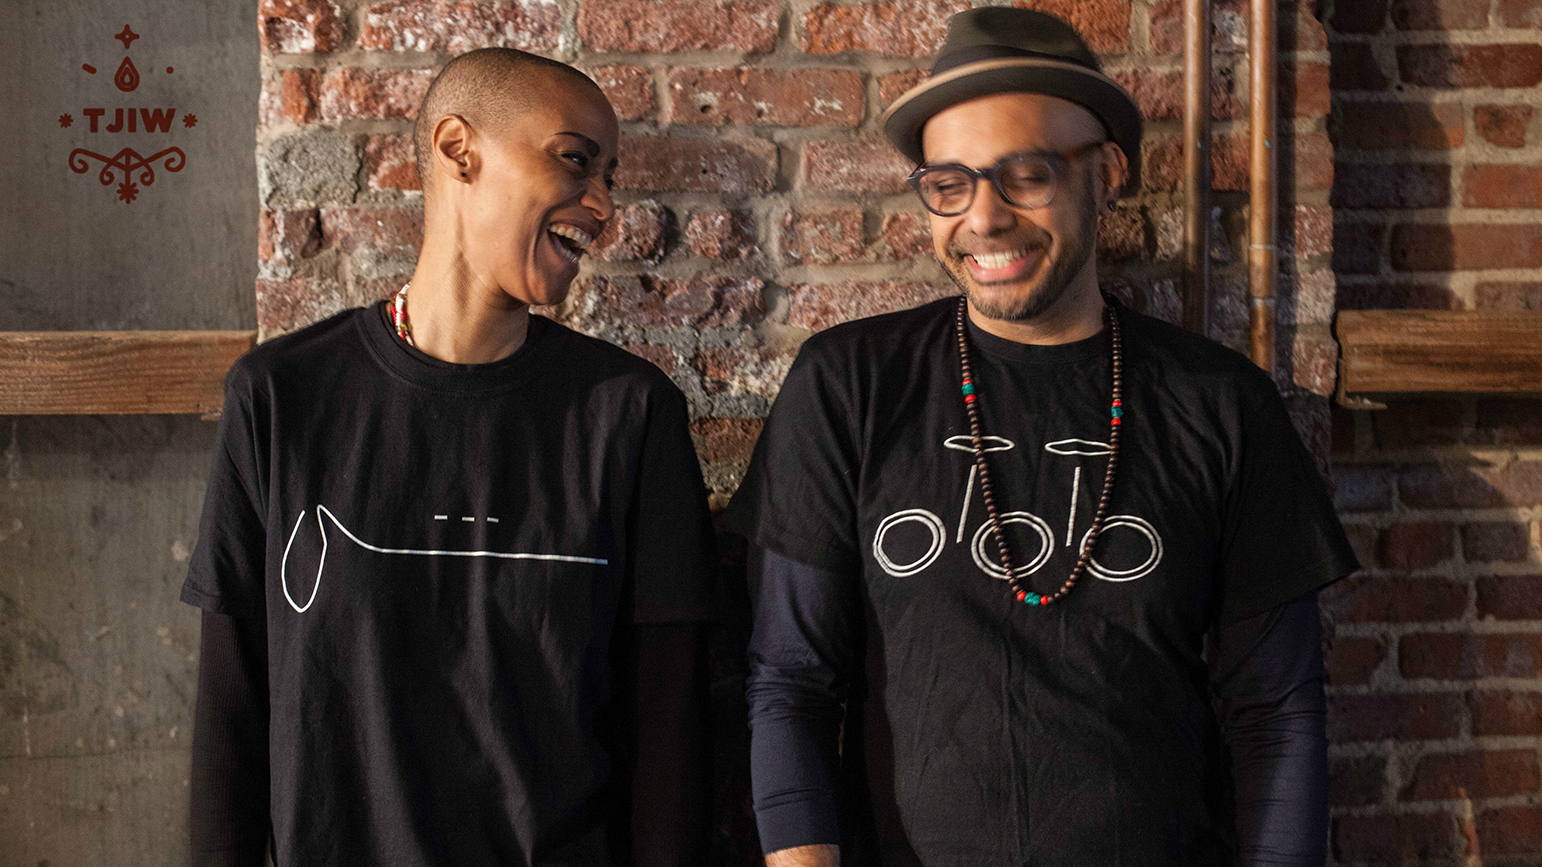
<point x="98" y="514"/>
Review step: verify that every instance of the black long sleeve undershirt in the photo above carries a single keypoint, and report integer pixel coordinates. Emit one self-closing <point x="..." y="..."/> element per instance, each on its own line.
<point x="1267" y="679"/>
<point x="229" y="824"/>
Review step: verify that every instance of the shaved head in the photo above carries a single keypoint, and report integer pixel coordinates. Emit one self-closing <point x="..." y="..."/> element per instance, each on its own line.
<point x="490" y="88"/>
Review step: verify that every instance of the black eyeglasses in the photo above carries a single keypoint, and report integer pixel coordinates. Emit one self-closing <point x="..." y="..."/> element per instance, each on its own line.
<point x="1025" y="180"/>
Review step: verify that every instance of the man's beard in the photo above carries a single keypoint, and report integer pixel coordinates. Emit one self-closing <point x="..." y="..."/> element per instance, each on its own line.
<point x="1063" y="268"/>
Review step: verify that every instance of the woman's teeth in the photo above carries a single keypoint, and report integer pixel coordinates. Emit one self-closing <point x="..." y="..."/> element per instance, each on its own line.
<point x="993" y="261"/>
<point x="573" y="241"/>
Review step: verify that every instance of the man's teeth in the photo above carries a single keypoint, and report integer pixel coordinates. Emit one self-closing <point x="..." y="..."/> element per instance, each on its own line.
<point x="992" y="261"/>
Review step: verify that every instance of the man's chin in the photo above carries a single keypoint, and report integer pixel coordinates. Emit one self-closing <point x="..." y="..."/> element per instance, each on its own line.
<point x="1008" y="302"/>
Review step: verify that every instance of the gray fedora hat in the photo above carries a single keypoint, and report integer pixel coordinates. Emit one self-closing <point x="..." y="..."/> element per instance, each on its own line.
<point x="1003" y="50"/>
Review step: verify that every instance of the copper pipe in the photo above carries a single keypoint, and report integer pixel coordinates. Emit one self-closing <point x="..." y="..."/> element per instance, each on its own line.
<point x="1263" y="193"/>
<point x="1196" y="164"/>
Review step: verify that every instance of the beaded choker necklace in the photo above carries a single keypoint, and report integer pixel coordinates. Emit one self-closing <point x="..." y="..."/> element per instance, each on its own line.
<point x="1020" y="590"/>
<point x="399" y="316"/>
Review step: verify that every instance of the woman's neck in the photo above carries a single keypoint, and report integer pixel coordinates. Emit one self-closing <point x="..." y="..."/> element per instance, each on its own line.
<point x="459" y="318"/>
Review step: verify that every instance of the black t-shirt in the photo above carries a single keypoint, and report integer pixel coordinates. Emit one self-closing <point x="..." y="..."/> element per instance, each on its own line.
<point x="442" y="554"/>
<point x="1076" y="734"/>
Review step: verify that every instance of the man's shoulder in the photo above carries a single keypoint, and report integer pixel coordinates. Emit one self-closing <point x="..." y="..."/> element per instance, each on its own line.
<point x="876" y="338"/>
<point x="1178" y="356"/>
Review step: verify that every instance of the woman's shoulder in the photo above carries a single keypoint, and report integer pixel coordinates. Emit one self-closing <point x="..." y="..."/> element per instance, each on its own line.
<point x="581" y="357"/>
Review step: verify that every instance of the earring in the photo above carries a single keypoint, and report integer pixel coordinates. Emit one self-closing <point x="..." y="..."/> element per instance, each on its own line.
<point x="1112" y="203"/>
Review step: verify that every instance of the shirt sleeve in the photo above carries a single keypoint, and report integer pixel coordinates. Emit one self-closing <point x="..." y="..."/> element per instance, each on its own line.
<point x="1280" y="535"/>
<point x="673" y="561"/>
<point x="226" y="574"/>
<point x="798" y="496"/>
<point x="228" y="818"/>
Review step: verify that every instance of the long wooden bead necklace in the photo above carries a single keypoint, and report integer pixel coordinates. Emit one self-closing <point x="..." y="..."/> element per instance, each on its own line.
<point x="1020" y="590"/>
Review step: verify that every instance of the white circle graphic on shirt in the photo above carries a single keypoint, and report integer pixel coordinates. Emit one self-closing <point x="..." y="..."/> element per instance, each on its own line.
<point x="1144" y="569"/>
<point x="989" y="567"/>
<point x="920" y="516"/>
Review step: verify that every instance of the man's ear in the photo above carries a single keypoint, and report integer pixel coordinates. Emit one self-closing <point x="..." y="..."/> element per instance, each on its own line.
<point x="455" y="153"/>
<point x="1115" y="169"/>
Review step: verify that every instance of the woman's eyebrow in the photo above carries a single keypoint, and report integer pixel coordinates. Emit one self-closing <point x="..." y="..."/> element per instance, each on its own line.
<point x="590" y="145"/>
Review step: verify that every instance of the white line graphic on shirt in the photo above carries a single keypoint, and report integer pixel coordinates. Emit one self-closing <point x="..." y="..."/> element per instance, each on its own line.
<point x="321" y="510"/>
<point x="982" y="536"/>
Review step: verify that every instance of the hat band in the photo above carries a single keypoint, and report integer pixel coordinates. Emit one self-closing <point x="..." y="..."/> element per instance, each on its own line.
<point x="977" y="53"/>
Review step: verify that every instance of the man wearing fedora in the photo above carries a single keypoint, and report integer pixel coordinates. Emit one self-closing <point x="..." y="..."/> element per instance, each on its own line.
<point x="1034" y="574"/>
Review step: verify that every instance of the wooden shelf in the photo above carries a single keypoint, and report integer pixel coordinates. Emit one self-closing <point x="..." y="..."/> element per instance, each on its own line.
<point x="117" y="372"/>
<point x="1398" y="352"/>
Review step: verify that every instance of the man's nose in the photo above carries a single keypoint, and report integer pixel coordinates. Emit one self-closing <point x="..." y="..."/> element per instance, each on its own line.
<point x="989" y="214"/>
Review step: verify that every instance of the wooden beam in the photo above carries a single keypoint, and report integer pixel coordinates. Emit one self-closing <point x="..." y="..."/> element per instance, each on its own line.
<point x="1385" y="352"/>
<point x="117" y="372"/>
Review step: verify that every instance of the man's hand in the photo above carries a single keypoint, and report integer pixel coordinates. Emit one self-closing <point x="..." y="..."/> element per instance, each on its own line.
<point x="821" y="855"/>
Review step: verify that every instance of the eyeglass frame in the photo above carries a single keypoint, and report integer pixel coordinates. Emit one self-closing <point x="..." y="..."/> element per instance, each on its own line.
<point x="1058" y="163"/>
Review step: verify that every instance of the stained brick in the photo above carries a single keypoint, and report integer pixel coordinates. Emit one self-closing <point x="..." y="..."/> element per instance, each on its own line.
<point x="1361" y="16"/>
<point x="629" y="89"/>
<point x="1502" y="186"/>
<point x="455" y="28"/>
<point x="1357" y="247"/>
<point x="1413" y="716"/>
<point x="1521" y="13"/>
<point x="662" y="356"/>
<point x="1353" y="658"/>
<point x="1104" y="24"/>
<point x="801" y="97"/>
<point x="818" y="306"/>
<point x="1160" y="94"/>
<point x="821" y="237"/>
<point x="299" y="26"/>
<point x="1229" y="22"/>
<point x="1511" y="421"/>
<point x="1506" y="713"/>
<point x="1394" y="185"/>
<point x="1510" y="597"/>
<point x="1465" y="246"/>
<point x="709" y="302"/>
<point x="1452" y="655"/>
<point x="725" y="166"/>
<point x="721" y="234"/>
<point x="894" y="84"/>
<point x="286" y="237"/>
<point x="854" y="165"/>
<point x="384" y="241"/>
<point x="1448" y="486"/>
<point x="390" y="164"/>
<point x="1392" y="839"/>
<point x="1508" y="296"/>
<point x="1415" y="545"/>
<point x="1502" y="125"/>
<point x="1376" y="126"/>
<point x="1495" y="542"/>
<point x="678" y="25"/>
<point x="1396" y="296"/>
<point x="1356" y="781"/>
<point x="298" y="98"/>
<point x="636" y="233"/>
<point x="1355" y="67"/>
<point x="725" y="439"/>
<point x="1395" y="599"/>
<point x="908" y="235"/>
<point x="1304" y="87"/>
<point x="1510" y="831"/>
<point x="1440" y="14"/>
<point x="908" y="28"/>
<point x="1310" y="167"/>
<point x="1438" y="65"/>
<point x="283" y="305"/>
<point x="350" y="93"/>
<point x="1486" y="774"/>
<point x="1309" y="234"/>
<point x="1121" y="234"/>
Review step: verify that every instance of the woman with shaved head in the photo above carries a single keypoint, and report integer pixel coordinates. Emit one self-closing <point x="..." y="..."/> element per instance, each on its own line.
<point x="455" y="558"/>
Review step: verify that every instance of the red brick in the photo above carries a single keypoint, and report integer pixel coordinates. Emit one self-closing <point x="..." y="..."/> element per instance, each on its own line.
<point x="1302" y="31"/>
<point x="817" y="307"/>
<point x="1508" y="296"/>
<point x="299" y="26"/>
<point x="351" y="93"/>
<point x="1312" y="166"/>
<point x="1487" y="774"/>
<point x="678" y="25"/>
<point x="1361" y="16"/>
<point x="1419" y="422"/>
<point x="894" y="85"/>
<point x="286" y="237"/>
<point x="386" y="232"/>
<point x="662" y="356"/>
<point x="908" y="234"/>
<point x="1362" y="488"/>
<point x="1415" y="545"/>
<point x="1396" y="296"/>
<point x="1510" y="831"/>
<point x="1304" y="87"/>
<point x="455" y="28"/>
<point x="1362" y="540"/>
<point x="1160" y="94"/>
<point x="1104" y="24"/>
<point x="854" y="165"/>
<point x="1376" y="126"/>
<point x="1357" y="247"/>
<point x="1455" y="486"/>
<point x="1356" y="781"/>
<point x="1353" y="658"/>
<point x="1229" y="19"/>
<point x="1405" y="838"/>
<point x="1502" y="186"/>
<point x="629" y="89"/>
<point x="1121" y="234"/>
<point x="1355" y="67"/>
<point x="1413" y="716"/>
<point x="1452" y="655"/>
<point x="722" y="235"/>
<point x="908" y="28"/>
<point x="742" y="370"/>
<point x="1465" y="246"/>
<point x="1511" y="421"/>
<point x="703" y="302"/>
<point x="1502" y="125"/>
<point x="1395" y="599"/>
<point x="390" y="163"/>
<point x="1309" y="234"/>
<point x="283" y="305"/>
<point x="1495" y="542"/>
<point x="298" y="98"/>
<point x="1510" y="597"/>
<point x="1392" y="185"/>
<point x="800" y="97"/>
<point x="1506" y="713"/>
<point x="822" y="237"/>
<point x="725" y="439"/>
<point x="1440" y="14"/>
<point x="1521" y="13"/>
<point x="636" y="233"/>
<point x="733" y="167"/>
<point x="1507" y="65"/>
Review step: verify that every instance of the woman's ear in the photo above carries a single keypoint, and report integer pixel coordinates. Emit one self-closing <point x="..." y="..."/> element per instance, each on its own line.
<point x="455" y="153"/>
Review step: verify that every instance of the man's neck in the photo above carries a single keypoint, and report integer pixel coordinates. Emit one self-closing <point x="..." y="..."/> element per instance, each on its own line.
<point x="1076" y="315"/>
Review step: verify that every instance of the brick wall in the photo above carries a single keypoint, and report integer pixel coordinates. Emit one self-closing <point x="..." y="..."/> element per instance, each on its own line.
<point x="1436" y="667"/>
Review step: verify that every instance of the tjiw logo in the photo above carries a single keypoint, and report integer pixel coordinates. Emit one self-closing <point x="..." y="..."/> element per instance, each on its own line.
<point x="136" y="169"/>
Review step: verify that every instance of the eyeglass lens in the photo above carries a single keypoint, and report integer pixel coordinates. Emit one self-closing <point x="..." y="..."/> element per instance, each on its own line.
<point x="1027" y="181"/>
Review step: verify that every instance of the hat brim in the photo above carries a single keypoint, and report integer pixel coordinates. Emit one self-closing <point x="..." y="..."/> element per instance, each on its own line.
<point x="1094" y="91"/>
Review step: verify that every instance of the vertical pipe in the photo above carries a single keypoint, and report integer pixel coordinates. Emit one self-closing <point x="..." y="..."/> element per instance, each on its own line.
<point x="1196" y="164"/>
<point x="1263" y="198"/>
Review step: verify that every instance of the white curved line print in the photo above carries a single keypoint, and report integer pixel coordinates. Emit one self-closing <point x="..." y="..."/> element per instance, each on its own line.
<point x="321" y="510"/>
<point x="1140" y="571"/>
<point x="1046" y="546"/>
<point x="932" y="523"/>
<point x="1074" y="446"/>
